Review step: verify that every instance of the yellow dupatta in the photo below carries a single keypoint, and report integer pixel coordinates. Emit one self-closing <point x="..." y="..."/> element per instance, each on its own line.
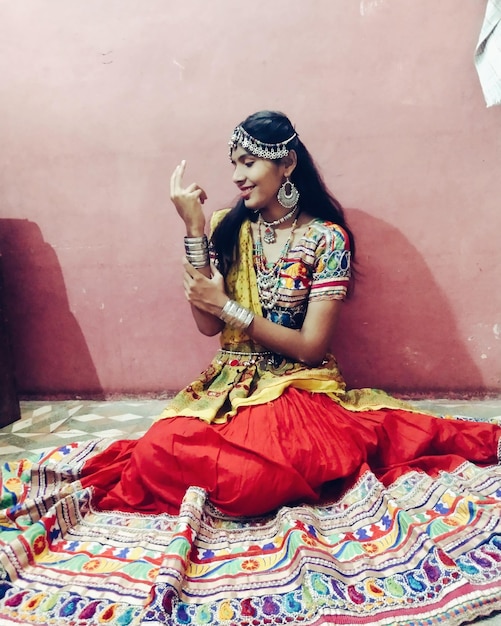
<point x="241" y="285"/>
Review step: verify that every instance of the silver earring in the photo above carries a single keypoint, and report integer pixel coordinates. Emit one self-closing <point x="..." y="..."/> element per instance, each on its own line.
<point x="288" y="195"/>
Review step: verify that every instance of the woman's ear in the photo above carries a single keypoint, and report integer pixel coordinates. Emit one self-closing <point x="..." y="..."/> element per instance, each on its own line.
<point x="289" y="162"/>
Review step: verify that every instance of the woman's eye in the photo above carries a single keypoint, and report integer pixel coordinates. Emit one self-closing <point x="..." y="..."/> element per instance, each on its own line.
<point x="249" y="163"/>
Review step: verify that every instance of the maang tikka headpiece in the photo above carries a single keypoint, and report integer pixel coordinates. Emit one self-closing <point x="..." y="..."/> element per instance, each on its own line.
<point x="259" y="148"/>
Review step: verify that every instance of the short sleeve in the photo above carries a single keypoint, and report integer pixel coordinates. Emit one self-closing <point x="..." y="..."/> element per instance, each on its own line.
<point x="331" y="273"/>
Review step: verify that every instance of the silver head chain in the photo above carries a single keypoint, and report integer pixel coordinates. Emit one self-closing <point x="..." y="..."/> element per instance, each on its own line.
<point x="258" y="148"/>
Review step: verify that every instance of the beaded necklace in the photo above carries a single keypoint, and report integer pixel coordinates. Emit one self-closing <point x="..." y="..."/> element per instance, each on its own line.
<point x="268" y="275"/>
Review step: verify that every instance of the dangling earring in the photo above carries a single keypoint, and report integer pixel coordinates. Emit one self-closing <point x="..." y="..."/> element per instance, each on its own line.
<point x="290" y="198"/>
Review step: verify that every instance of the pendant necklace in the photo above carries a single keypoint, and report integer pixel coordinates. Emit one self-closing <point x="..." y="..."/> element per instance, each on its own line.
<point x="269" y="231"/>
<point x="268" y="277"/>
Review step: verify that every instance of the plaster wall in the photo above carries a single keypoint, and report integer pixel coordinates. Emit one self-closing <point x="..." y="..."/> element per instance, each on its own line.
<point x="100" y="100"/>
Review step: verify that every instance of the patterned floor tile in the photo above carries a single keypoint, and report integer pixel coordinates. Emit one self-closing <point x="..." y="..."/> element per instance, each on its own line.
<point x="55" y="426"/>
<point x="87" y="417"/>
<point x="126" y="417"/>
<point x="71" y="433"/>
<point x="112" y="433"/>
<point x="10" y="451"/>
<point x="22" y="425"/>
<point x="42" y="410"/>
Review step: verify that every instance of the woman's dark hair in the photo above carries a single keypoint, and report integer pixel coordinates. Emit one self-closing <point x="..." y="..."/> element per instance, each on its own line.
<point x="275" y="127"/>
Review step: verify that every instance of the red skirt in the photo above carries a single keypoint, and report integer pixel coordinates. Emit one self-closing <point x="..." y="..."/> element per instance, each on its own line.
<point x="282" y="452"/>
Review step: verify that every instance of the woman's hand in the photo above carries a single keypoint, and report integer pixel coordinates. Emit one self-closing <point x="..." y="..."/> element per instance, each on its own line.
<point x="188" y="202"/>
<point x="205" y="294"/>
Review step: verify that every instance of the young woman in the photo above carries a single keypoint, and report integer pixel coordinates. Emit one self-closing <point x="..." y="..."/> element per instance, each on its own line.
<point x="270" y="422"/>
<point x="407" y="531"/>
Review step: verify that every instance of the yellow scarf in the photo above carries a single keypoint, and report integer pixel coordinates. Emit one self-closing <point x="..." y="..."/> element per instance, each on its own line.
<point x="241" y="284"/>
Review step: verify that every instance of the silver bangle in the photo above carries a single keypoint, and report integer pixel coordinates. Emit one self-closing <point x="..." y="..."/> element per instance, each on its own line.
<point x="197" y="251"/>
<point x="194" y="242"/>
<point x="236" y="315"/>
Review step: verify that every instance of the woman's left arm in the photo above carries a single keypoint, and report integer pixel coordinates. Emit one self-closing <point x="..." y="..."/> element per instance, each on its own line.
<point x="308" y="345"/>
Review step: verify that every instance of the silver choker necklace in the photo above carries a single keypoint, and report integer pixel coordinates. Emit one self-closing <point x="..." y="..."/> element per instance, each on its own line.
<point x="269" y="232"/>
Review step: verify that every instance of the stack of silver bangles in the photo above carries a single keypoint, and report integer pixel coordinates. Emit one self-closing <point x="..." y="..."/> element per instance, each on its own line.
<point x="236" y="315"/>
<point x="197" y="251"/>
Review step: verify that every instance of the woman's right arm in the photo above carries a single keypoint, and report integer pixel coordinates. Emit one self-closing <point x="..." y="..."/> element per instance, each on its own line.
<point x="188" y="202"/>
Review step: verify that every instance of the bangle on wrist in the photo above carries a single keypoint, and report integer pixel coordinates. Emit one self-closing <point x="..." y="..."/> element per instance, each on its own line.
<point x="236" y="315"/>
<point x="197" y="251"/>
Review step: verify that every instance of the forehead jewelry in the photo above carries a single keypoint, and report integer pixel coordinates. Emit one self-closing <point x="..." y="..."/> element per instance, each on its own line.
<point x="259" y="148"/>
<point x="269" y="231"/>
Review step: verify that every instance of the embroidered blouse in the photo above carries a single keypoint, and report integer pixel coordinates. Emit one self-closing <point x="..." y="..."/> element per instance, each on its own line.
<point x="316" y="268"/>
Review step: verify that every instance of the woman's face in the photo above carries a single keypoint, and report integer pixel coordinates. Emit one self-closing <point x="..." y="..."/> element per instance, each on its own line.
<point x="257" y="179"/>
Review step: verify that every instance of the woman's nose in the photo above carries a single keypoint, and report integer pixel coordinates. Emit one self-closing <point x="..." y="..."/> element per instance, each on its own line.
<point x="238" y="175"/>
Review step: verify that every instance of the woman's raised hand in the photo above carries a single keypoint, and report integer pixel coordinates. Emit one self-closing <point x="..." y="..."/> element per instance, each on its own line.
<point x="188" y="202"/>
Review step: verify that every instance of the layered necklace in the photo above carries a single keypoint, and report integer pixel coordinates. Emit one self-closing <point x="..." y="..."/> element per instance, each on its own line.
<point x="268" y="275"/>
<point x="269" y="232"/>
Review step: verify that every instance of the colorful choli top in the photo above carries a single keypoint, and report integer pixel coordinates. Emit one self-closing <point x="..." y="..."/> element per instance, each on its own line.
<point x="317" y="267"/>
<point x="243" y="373"/>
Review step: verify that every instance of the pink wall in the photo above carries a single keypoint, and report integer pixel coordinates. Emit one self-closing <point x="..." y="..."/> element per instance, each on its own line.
<point x="99" y="102"/>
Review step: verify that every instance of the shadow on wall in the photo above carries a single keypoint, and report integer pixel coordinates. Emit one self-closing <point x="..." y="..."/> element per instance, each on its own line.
<point x="49" y="348"/>
<point x="398" y="331"/>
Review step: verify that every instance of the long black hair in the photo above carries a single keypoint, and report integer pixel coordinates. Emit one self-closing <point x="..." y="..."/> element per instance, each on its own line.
<point x="275" y="127"/>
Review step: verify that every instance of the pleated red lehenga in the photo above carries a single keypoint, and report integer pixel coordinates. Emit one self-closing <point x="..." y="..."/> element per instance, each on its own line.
<point x="280" y="452"/>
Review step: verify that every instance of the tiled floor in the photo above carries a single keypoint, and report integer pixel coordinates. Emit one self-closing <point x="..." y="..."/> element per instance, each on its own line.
<point x="49" y="424"/>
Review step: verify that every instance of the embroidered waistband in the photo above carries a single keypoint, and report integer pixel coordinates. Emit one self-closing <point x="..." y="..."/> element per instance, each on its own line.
<point x="251" y="354"/>
<point x="264" y="358"/>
